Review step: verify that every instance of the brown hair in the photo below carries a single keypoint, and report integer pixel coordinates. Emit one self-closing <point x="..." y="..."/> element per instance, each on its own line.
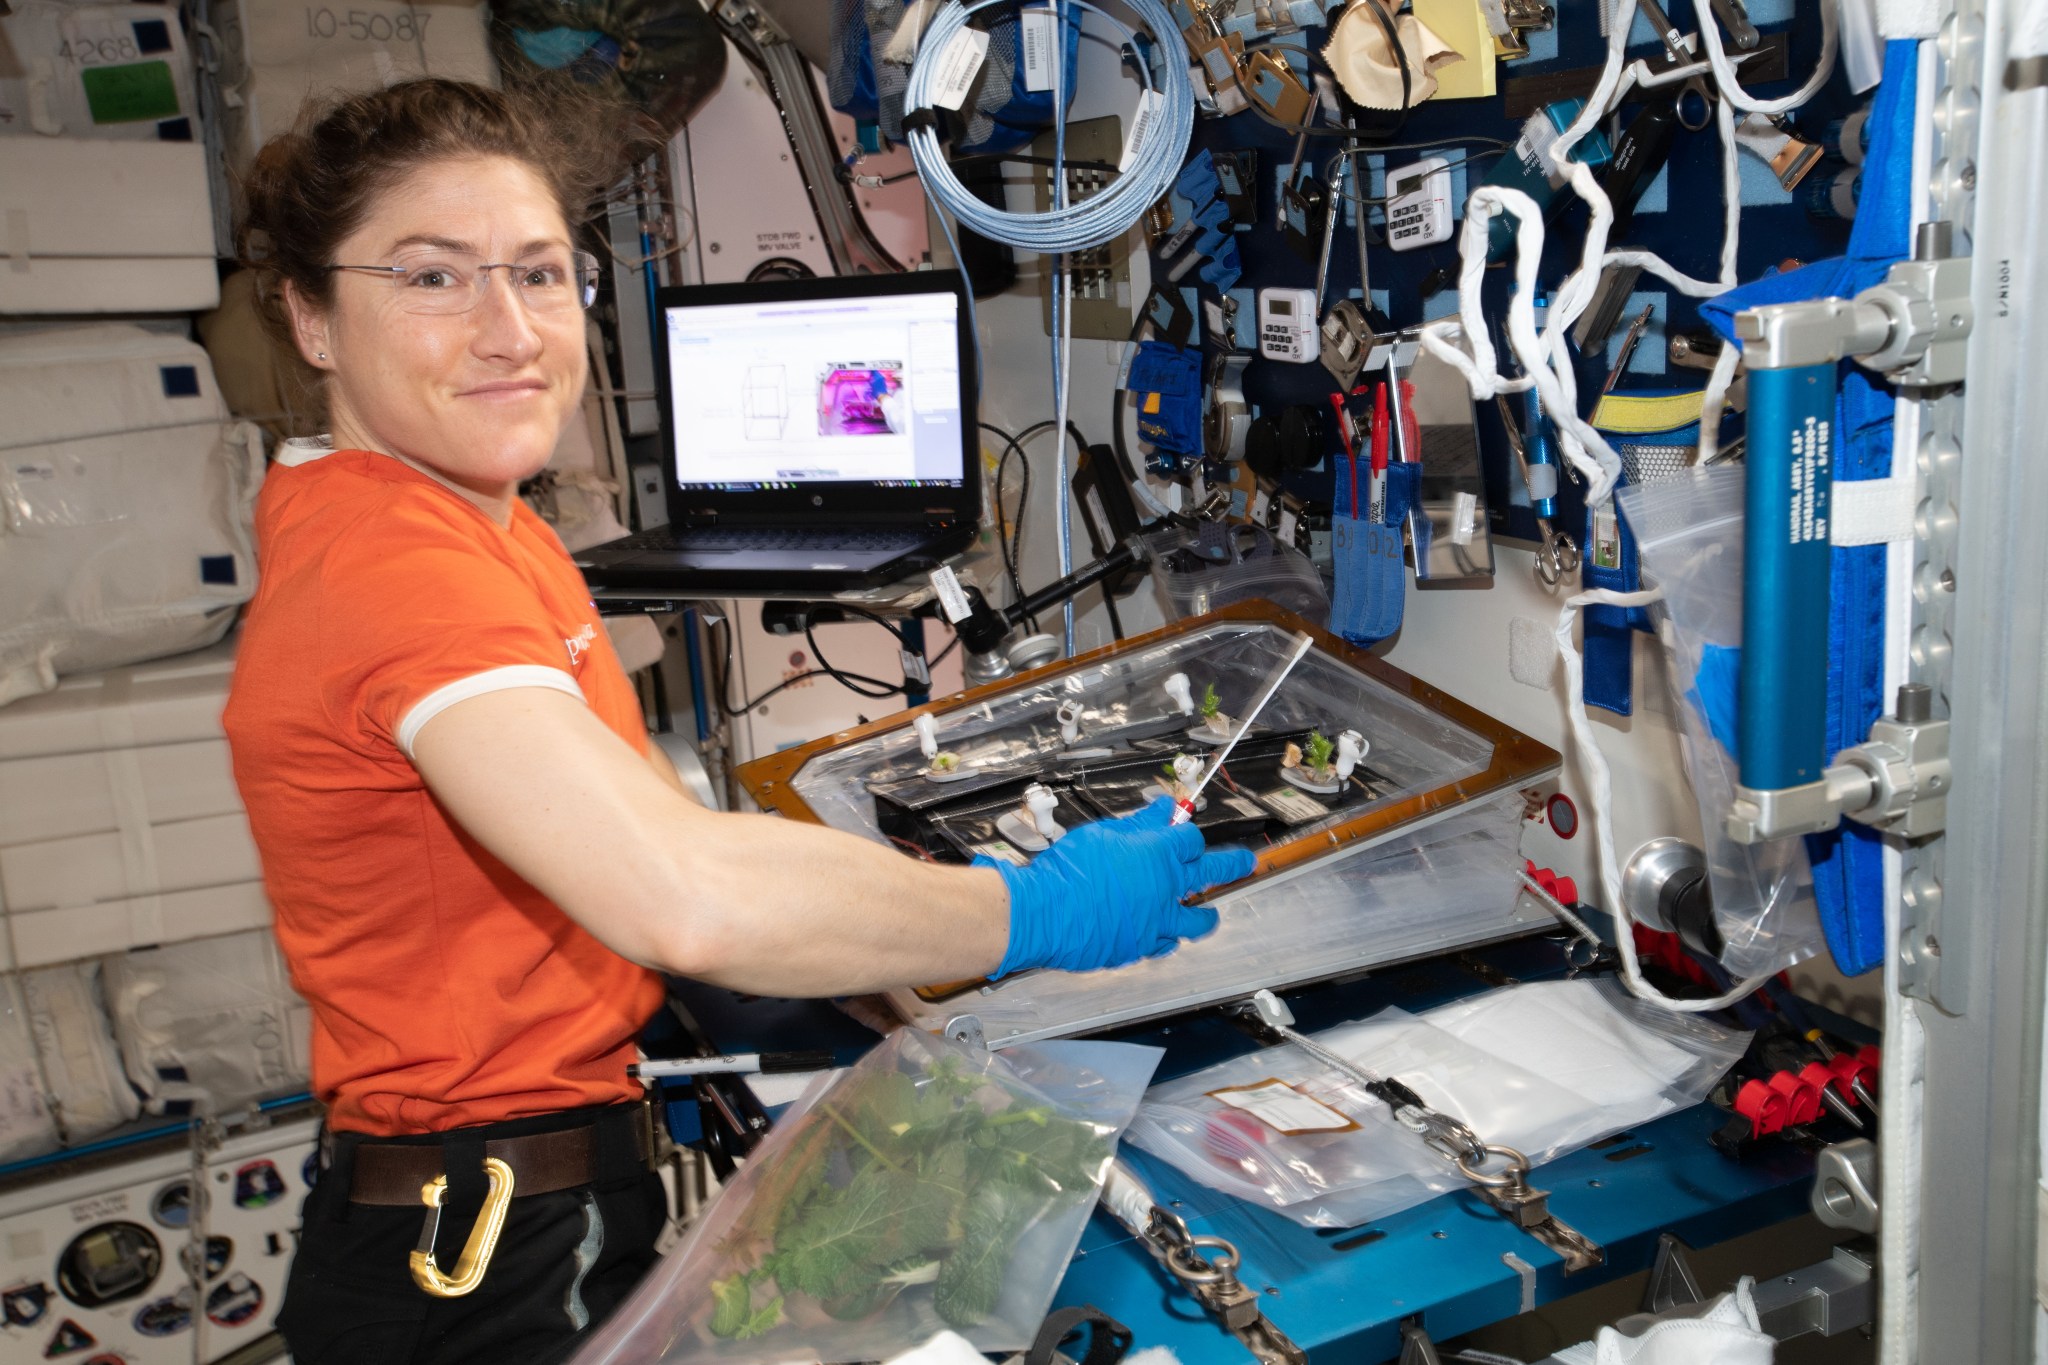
<point x="311" y="187"/>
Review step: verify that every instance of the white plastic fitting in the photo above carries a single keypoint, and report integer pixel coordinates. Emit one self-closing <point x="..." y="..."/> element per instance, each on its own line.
<point x="1039" y="800"/>
<point x="1177" y="688"/>
<point x="927" y="736"/>
<point x="1069" y="717"/>
<point x="1351" y="747"/>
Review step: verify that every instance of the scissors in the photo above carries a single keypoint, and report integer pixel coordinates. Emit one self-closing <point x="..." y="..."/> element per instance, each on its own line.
<point x="1676" y="53"/>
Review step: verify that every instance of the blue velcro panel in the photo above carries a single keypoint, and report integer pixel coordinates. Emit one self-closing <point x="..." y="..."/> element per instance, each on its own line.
<point x="1848" y="869"/>
<point x="1649" y="356"/>
<point x="1760" y="184"/>
<point x="1542" y="45"/>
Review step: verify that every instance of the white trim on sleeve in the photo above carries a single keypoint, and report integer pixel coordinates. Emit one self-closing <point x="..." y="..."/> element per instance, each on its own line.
<point x="475" y="685"/>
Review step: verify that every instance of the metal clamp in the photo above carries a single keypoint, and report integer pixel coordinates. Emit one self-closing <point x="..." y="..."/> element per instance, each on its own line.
<point x="1896" y="781"/>
<point x="1912" y="328"/>
<point x="1227" y="419"/>
<point x="1212" y="1279"/>
<point x="483" y="1237"/>
<point x="1528" y="1208"/>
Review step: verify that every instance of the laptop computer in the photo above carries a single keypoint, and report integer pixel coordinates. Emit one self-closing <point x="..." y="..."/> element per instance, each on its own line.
<point x="818" y="436"/>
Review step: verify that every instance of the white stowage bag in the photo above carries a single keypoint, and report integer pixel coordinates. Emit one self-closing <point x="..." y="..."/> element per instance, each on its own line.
<point x="213" y="1022"/>
<point x="126" y="502"/>
<point x="60" y="1075"/>
<point x="1726" y="1334"/>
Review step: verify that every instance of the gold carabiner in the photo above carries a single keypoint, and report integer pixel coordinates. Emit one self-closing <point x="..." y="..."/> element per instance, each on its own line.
<point x="483" y="1238"/>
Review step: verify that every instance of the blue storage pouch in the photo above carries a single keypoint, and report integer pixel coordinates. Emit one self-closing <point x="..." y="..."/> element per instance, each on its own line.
<point x="1641" y="430"/>
<point x="1372" y="580"/>
<point x="1167" y="382"/>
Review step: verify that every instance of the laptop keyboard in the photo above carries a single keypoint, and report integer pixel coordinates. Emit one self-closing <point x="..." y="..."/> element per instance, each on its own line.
<point x="773" y="538"/>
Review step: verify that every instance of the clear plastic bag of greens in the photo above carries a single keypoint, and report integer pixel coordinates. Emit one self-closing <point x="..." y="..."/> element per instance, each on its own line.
<point x="929" y="1186"/>
<point x="1689" y="538"/>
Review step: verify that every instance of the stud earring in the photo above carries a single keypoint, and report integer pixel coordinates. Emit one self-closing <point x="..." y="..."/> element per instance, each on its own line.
<point x="323" y="355"/>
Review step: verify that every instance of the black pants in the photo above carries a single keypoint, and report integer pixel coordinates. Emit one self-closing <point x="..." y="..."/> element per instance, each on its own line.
<point x="565" y="1260"/>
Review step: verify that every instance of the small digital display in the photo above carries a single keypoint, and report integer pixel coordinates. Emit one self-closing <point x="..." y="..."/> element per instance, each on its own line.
<point x="1280" y="308"/>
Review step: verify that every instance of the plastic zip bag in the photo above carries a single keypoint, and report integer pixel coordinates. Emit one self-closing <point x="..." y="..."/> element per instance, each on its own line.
<point x="1544" y="1067"/>
<point x="1689" y="537"/>
<point x="930" y="1186"/>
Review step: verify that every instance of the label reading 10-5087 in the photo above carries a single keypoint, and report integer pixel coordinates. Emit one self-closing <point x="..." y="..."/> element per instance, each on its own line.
<point x="366" y="26"/>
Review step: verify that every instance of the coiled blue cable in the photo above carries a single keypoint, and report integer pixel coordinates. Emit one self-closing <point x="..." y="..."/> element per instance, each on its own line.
<point x="1101" y="217"/>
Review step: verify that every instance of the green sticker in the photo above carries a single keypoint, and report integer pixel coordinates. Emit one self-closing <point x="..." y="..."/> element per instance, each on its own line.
<point x="132" y="93"/>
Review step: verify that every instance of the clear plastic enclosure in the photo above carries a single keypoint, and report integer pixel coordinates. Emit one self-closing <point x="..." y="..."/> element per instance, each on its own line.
<point x="1411" y="851"/>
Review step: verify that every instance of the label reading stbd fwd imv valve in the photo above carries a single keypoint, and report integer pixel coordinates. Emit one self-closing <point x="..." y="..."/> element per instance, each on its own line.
<point x="1812" y="480"/>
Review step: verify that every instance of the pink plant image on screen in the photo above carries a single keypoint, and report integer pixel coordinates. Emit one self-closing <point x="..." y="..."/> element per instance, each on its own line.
<point x="861" y="400"/>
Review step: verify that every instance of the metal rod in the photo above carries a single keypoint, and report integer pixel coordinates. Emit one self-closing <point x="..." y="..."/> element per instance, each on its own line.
<point x="1184" y="811"/>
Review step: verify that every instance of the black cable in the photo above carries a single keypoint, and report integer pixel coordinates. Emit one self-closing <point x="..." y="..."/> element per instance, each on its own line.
<point x="724" y="679"/>
<point x="1400" y="54"/>
<point x="850" y="681"/>
<point x="1012" y="546"/>
<point x="1003" y="540"/>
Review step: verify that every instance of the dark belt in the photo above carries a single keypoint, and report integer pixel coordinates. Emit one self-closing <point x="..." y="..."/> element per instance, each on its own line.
<point x="392" y="1174"/>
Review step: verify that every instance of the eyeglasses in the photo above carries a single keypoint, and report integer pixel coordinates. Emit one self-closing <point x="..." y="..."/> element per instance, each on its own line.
<point x="443" y="282"/>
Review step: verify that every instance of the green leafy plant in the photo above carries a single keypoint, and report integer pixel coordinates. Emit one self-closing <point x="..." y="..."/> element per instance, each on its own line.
<point x="1212" y="705"/>
<point x="895" y="1182"/>
<point x="1317" y="756"/>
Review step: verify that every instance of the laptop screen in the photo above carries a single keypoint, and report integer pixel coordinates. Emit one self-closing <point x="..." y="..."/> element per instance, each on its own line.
<point x="782" y="394"/>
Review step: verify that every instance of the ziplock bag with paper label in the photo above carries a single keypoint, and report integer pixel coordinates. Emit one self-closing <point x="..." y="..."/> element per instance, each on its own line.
<point x="1544" y="1067"/>
<point x="930" y="1186"/>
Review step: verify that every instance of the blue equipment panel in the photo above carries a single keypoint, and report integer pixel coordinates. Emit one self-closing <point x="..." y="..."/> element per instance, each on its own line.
<point x="1342" y="1294"/>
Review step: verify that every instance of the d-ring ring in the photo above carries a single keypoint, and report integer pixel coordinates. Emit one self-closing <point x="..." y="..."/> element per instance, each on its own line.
<point x="1181" y="1261"/>
<point x="1517" y="1167"/>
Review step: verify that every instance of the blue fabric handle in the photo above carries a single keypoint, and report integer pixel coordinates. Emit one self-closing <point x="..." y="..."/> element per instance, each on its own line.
<point x="1848" y="866"/>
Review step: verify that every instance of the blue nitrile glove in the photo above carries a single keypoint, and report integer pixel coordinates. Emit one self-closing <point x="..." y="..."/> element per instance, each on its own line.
<point x="1109" y="893"/>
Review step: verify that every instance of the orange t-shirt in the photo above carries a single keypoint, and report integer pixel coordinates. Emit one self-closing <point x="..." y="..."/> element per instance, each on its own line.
<point x="446" y="991"/>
